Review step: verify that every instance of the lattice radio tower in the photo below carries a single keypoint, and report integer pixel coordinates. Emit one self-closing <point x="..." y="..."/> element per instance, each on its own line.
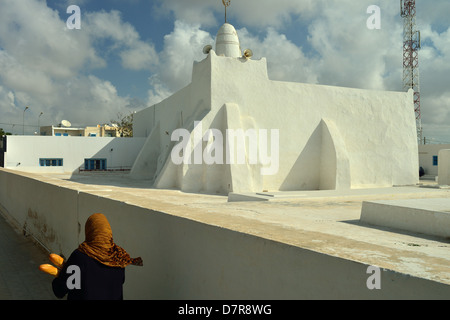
<point x="411" y="47"/>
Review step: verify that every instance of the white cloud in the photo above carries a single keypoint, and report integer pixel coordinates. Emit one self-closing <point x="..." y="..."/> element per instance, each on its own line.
<point x="140" y="56"/>
<point x="181" y="48"/>
<point x="7" y="101"/>
<point x="158" y="90"/>
<point x="38" y="39"/>
<point x="286" y="61"/>
<point x="349" y="53"/>
<point x="134" y="53"/>
<point x="89" y="98"/>
<point x="12" y="99"/>
<point x="268" y="13"/>
<point x="22" y="78"/>
<point x="104" y="24"/>
<point x="255" y="13"/>
<point x="434" y="65"/>
<point x="46" y="66"/>
<point x="190" y="11"/>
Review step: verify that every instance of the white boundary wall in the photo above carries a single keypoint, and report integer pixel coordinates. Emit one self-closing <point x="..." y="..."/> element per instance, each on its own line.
<point x="444" y="167"/>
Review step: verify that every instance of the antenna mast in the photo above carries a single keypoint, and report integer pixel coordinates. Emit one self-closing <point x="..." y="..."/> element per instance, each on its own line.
<point x="411" y="47"/>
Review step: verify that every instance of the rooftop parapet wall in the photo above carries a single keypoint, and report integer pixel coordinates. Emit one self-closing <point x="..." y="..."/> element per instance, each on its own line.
<point x="190" y="253"/>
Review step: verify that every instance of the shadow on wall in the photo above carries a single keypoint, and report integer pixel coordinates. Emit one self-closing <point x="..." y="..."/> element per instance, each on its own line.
<point x="113" y="161"/>
<point x="152" y="158"/>
<point x="323" y="164"/>
<point x="117" y="155"/>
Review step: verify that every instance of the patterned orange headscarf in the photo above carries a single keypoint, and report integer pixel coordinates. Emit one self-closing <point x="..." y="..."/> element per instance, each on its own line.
<point x="100" y="246"/>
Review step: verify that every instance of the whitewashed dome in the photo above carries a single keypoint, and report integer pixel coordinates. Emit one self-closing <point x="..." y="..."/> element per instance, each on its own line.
<point x="227" y="42"/>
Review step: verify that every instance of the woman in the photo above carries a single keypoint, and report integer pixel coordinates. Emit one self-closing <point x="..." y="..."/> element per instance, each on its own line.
<point x="101" y="264"/>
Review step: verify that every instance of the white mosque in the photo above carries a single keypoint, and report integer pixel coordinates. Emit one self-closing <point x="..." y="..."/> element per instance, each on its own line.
<point x="232" y="129"/>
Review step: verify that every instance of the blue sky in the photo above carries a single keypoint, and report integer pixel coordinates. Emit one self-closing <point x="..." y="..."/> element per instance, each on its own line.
<point x="129" y="54"/>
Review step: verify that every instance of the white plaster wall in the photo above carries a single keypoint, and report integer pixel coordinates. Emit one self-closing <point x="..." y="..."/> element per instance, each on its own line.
<point x="27" y="150"/>
<point x="426" y="216"/>
<point x="143" y="122"/>
<point x="444" y="167"/>
<point x="47" y="212"/>
<point x="159" y="121"/>
<point x="377" y="128"/>
<point x="372" y="136"/>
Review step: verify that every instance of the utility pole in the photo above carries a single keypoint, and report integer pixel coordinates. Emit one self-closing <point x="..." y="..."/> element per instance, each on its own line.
<point x="23" y="120"/>
<point x="39" y="123"/>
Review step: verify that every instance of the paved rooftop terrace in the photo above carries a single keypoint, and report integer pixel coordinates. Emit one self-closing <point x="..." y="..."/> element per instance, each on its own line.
<point x="322" y="221"/>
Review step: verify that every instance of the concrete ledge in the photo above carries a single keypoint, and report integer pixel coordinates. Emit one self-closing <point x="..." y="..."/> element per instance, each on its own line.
<point x="264" y="196"/>
<point x="237" y="197"/>
<point x="427" y="216"/>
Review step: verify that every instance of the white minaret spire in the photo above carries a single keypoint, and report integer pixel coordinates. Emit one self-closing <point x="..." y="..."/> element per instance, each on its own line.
<point x="227" y="42"/>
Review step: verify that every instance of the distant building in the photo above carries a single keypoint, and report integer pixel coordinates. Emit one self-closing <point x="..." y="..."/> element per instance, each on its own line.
<point x="102" y="131"/>
<point x="61" y="131"/>
<point x="97" y="131"/>
<point x="52" y="154"/>
<point x="49" y="153"/>
<point x="429" y="157"/>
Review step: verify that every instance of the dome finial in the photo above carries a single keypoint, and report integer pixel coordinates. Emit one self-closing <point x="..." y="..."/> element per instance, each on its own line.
<point x="226" y="3"/>
<point x="227" y="42"/>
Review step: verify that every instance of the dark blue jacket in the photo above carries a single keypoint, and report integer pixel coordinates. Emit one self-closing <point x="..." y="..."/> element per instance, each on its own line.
<point x="98" y="281"/>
